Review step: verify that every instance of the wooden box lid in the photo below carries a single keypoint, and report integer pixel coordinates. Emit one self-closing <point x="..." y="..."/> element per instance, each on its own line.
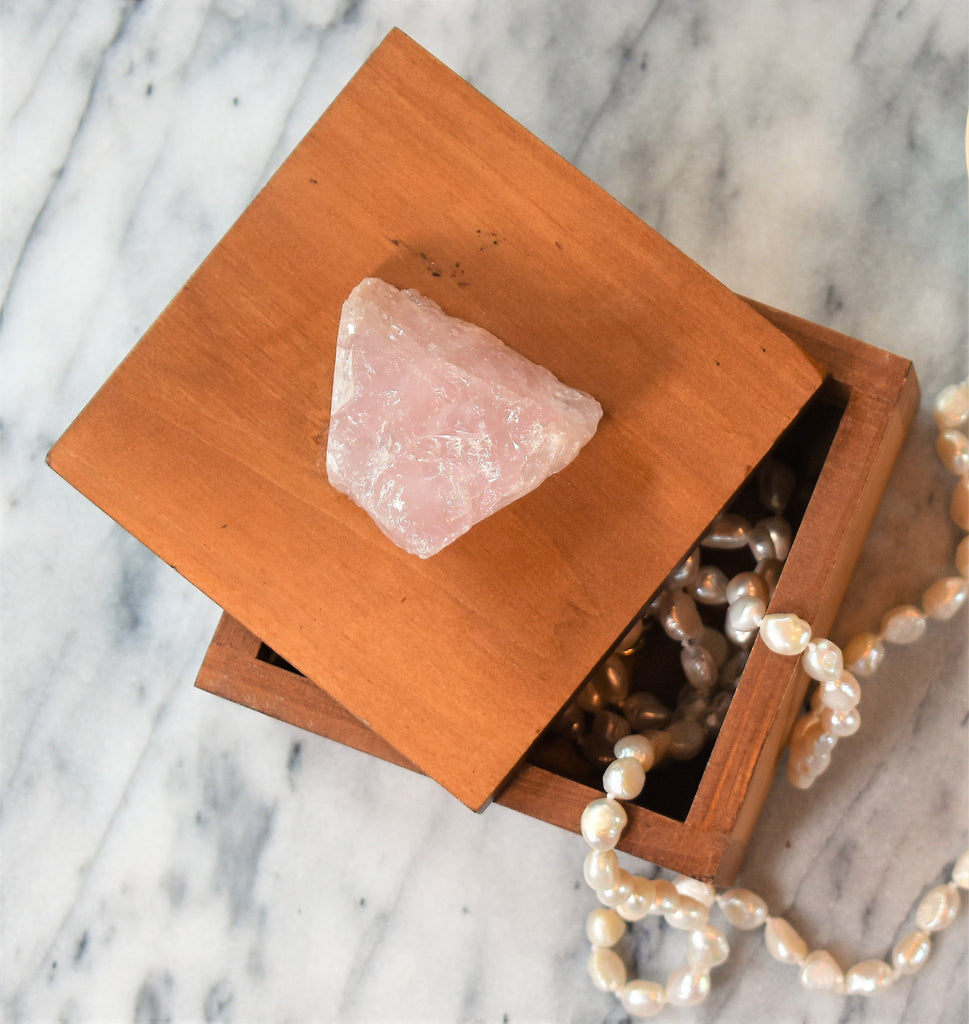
<point x="206" y="442"/>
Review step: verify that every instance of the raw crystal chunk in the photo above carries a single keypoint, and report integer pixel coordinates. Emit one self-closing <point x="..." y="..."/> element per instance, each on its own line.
<point x="435" y="423"/>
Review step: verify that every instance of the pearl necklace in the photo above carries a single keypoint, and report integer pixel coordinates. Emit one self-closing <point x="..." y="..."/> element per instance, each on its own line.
<point x="685" y="903"/>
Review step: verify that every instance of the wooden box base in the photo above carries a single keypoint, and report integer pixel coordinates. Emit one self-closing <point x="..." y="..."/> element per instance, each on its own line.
<point x="868" y="404"/>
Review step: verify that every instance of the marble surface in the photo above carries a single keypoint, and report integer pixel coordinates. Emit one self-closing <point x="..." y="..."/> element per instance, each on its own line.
<point x="169" y="856"/>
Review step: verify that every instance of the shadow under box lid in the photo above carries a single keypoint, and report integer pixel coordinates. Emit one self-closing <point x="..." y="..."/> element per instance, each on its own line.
<point x="206" y="441"/>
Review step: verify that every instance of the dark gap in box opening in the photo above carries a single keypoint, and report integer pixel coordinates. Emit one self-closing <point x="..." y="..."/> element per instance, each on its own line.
<point x="268" y="655"/>
<point x="654" y="665"/>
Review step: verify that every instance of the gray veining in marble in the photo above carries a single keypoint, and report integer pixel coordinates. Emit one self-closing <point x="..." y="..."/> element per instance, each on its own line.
<point x="169" y="856"/>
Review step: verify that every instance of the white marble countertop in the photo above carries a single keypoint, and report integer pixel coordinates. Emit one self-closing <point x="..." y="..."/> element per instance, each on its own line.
<point x="169" y="856"/>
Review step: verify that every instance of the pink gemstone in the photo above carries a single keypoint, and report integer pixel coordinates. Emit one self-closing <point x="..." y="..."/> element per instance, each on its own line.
<point x="435" y="423"/>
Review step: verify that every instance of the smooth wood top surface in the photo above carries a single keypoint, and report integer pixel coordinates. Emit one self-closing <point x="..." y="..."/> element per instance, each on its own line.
<point x="206" y="442"/>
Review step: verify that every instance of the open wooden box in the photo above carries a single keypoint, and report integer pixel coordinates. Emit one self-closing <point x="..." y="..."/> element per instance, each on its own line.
<point x="206" y="445"/>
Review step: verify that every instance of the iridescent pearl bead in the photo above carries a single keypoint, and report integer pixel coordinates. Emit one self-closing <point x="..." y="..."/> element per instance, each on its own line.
<point x="597" y="750"/>
<point x="945" y="597"/>
<point x="746" y="614"/>
<point x="747" y="584"/>
<point x="911" y="952"/>
<point x="685" y="574"/>
<point x="707" y="947"/>
<point x="806" y="730"/>
<point x="744" y="639"/>
<point x="642" y="999"/>
<point x="769" y="570"/>
<point x="864" y="654"/>
<point x="678" y="616"/>
<point x="691" y="703"/>
<point x="732" y="670"/>
<point x="612" y="678"/>
<point x="601" y="869"/>
<point x="775" y="485"/>
<point x="780" y="534"/>
<point x="591" y="697"/>
<point x="719" y="707"/>
<point x="962" y="557"/>
<point x="782" y="941"/>
<point x="698" y="666"/>
<point x="639" y="901"/>
<point x="686" y="739"/>
<point x="728" y="531"/>
<point x="716" y="643"/>
<point x="687" y="986"/>
<point x="960" y="871"/>
<point x="742" y="908"/>
<point x="602" y="823"/>
<point x="784" y="633"/>
<point x="690" y="914"/>
<point x="868" y="978"/>
<point x="661" y="742"/>
<point x="624" y="778"/>
<point x="702" y="892"/>
<point x="604" y="927"/>
<point x="953" y="449"/>
<point x="820" y="971"/>
<point x="606" y="969"/>
<point x="609" y="726"/>
<point x="903" y="625"/>
<point x="841" y="723"/>
<point x="644" y="710"/>
<point x="570" y="721"/>
<point x="618" y="893"/>
<point x="822" y="659"/>
<point x="951" y="406"/>
<point x="639" y="747"/>
<point x="711" y="585"/>
<point x="840" y="694"/>
<point x="632" y="637"/>
<point x="761" y="542"/>
<point x="959" y="508"/>
<point x="938" y="908"/>
<point x="665" y="897"/>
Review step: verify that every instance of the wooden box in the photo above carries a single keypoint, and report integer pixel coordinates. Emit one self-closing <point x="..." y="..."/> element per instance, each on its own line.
<point x="851" y="438"/>
<point x="206" y="444"/>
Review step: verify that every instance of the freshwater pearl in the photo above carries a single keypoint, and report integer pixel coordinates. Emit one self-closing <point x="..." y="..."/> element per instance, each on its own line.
<point x="661" y="742"/>
<point x="716" y="643"/>
<point x="951" y="406"/>
<point x="639" y="747"/>
<point x="761" y="542"/>
<point x="570" y="722"/>
<point x="632" y="638"/>
<point x="608" y="726"/>
<point x="868" y="978"/>
<point x="841" y="723"/>
<point x="744" y="639"/>
<point x="938" y="908"/>
<point x="962" y="557"/>
<point x="775" y="484"/>
<point x="903" y="625"/>
<point x="780" y="534"/>
<point x="691" y="703"/>
<point x="820" y="971"/>
<point x="606" y="969"/>
<point x="618" y="893"/>
<point x="707" y="947"/>
<point x="769" y="570"/>
<point x="685" y="574"/>
<point x="678" y="616"/>
<point x="666" y="899"/>
<point x="687" y="986"/>
<point x="690" y="914"/>
<point x="960" y="871"/>
<point x="864" y="653"/>
<point x="644" y="711"/>
<point x="613" y="679"/>
<point x="746" y="614"/>
<point x="698" y="666"/>
<point x="710" y="586"/>
<point x="959" y="508"/>
<point x="747" y="584"/>
<point x="686" y="739"/>
<point x="822" y="659"/>
<point x="742" y="908"/>
<point x="911" y="952"/>
<point x="604" y="927"/>
<point x="840" y="694"/>
<point x="727" y="532"/>
<point x="702" y="892"/>
<point x="719" y="707"/>
<point x="591" y="697"/>
<point x="953" y="449"/>
<point x="784" y="633"/>
<point x="624" y="778"/>
<point x="601" y="869"/>
<point x="733" y="669"/>
<point x="805" y="732"/>
<point x="945" y="597"/>
<point x="642" y="999"/>
<point x="602" y="823"/>
<point x="597" y="750"/>
<point x="782" y="941"/>
<point x="639" y="901"/>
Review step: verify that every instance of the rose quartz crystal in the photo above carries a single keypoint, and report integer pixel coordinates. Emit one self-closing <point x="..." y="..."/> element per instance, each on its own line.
<point x="435" y="423"/>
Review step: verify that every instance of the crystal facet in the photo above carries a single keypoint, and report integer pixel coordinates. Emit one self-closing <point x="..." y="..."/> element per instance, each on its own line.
<point x="435" y="423"/>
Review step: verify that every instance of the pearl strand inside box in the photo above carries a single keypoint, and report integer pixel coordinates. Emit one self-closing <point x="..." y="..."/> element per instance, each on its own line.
<point x="685" y="903"/>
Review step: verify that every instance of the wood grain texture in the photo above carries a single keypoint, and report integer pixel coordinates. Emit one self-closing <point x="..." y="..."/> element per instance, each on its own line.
<point x="206" y="441"/>
<point x="880" y="396"/>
